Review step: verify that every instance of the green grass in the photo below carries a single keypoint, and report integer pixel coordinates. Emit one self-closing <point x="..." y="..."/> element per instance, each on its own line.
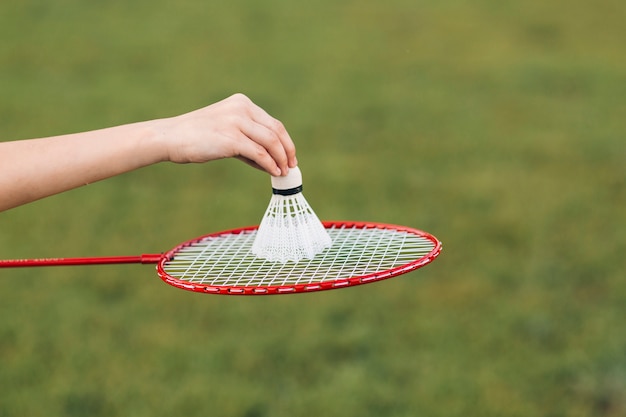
<point x="497" y="126"/>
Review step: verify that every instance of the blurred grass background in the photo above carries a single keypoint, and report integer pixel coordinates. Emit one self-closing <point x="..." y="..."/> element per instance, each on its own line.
<point x="497" y="126"/>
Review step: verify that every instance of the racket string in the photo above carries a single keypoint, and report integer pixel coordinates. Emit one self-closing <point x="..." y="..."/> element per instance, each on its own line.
<point x="356" y="251"/>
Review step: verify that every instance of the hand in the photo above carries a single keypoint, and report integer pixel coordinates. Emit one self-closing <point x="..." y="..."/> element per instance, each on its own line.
<point x="233" y="127"/>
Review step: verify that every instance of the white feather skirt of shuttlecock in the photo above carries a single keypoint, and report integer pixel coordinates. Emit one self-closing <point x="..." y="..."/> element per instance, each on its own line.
<point x="290" y="231"/>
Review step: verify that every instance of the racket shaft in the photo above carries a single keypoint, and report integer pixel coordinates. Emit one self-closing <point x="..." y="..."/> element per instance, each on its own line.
<point x="143" y="259"/>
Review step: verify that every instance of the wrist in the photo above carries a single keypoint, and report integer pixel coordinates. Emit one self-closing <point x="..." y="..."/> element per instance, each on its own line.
<point x="154" y="140"/>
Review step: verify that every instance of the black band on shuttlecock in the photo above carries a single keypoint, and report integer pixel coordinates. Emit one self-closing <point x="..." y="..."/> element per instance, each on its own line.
<point x="289" y="191"/>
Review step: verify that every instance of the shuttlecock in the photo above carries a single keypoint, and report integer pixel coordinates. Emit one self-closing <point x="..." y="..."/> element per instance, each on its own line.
<point x="289" y="230"/>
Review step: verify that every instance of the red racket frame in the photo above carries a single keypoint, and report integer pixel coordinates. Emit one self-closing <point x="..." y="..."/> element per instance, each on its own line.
<point x="161" y="259"/>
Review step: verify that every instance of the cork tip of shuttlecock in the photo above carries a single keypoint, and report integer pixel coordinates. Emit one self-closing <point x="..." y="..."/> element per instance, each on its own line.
<point x="292" y="180"/>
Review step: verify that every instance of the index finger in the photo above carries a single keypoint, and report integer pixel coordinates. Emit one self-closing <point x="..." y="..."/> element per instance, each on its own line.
<point x="276" y="126"/>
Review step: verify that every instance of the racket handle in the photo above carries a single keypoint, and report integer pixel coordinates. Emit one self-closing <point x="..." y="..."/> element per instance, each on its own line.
<point x="142" y="259"/>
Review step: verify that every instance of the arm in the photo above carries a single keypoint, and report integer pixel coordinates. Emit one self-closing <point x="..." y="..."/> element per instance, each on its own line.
<point x="234" y="127"/>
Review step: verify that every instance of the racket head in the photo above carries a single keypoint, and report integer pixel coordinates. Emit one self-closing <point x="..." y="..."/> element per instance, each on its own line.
<point x="362" y="253"/>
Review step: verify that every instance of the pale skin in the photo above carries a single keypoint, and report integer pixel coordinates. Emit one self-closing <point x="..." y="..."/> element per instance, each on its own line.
<point x="32" y="169"/>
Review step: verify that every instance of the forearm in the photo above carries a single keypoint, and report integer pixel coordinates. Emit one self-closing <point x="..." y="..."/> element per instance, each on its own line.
<point x="36" y="168"/>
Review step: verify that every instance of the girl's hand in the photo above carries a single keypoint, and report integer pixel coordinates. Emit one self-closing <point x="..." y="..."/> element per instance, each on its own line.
<point x="233" y="127"/>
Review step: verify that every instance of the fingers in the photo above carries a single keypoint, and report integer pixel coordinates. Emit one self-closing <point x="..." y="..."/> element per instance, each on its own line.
<point x="278" y="129"/>
<point x="263" y="149"/>
<point x="271" y="134"/>
<point x="266" y="144"/>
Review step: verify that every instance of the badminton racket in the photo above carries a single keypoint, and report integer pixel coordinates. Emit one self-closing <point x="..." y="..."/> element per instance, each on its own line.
<point x="222" y="262"/>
